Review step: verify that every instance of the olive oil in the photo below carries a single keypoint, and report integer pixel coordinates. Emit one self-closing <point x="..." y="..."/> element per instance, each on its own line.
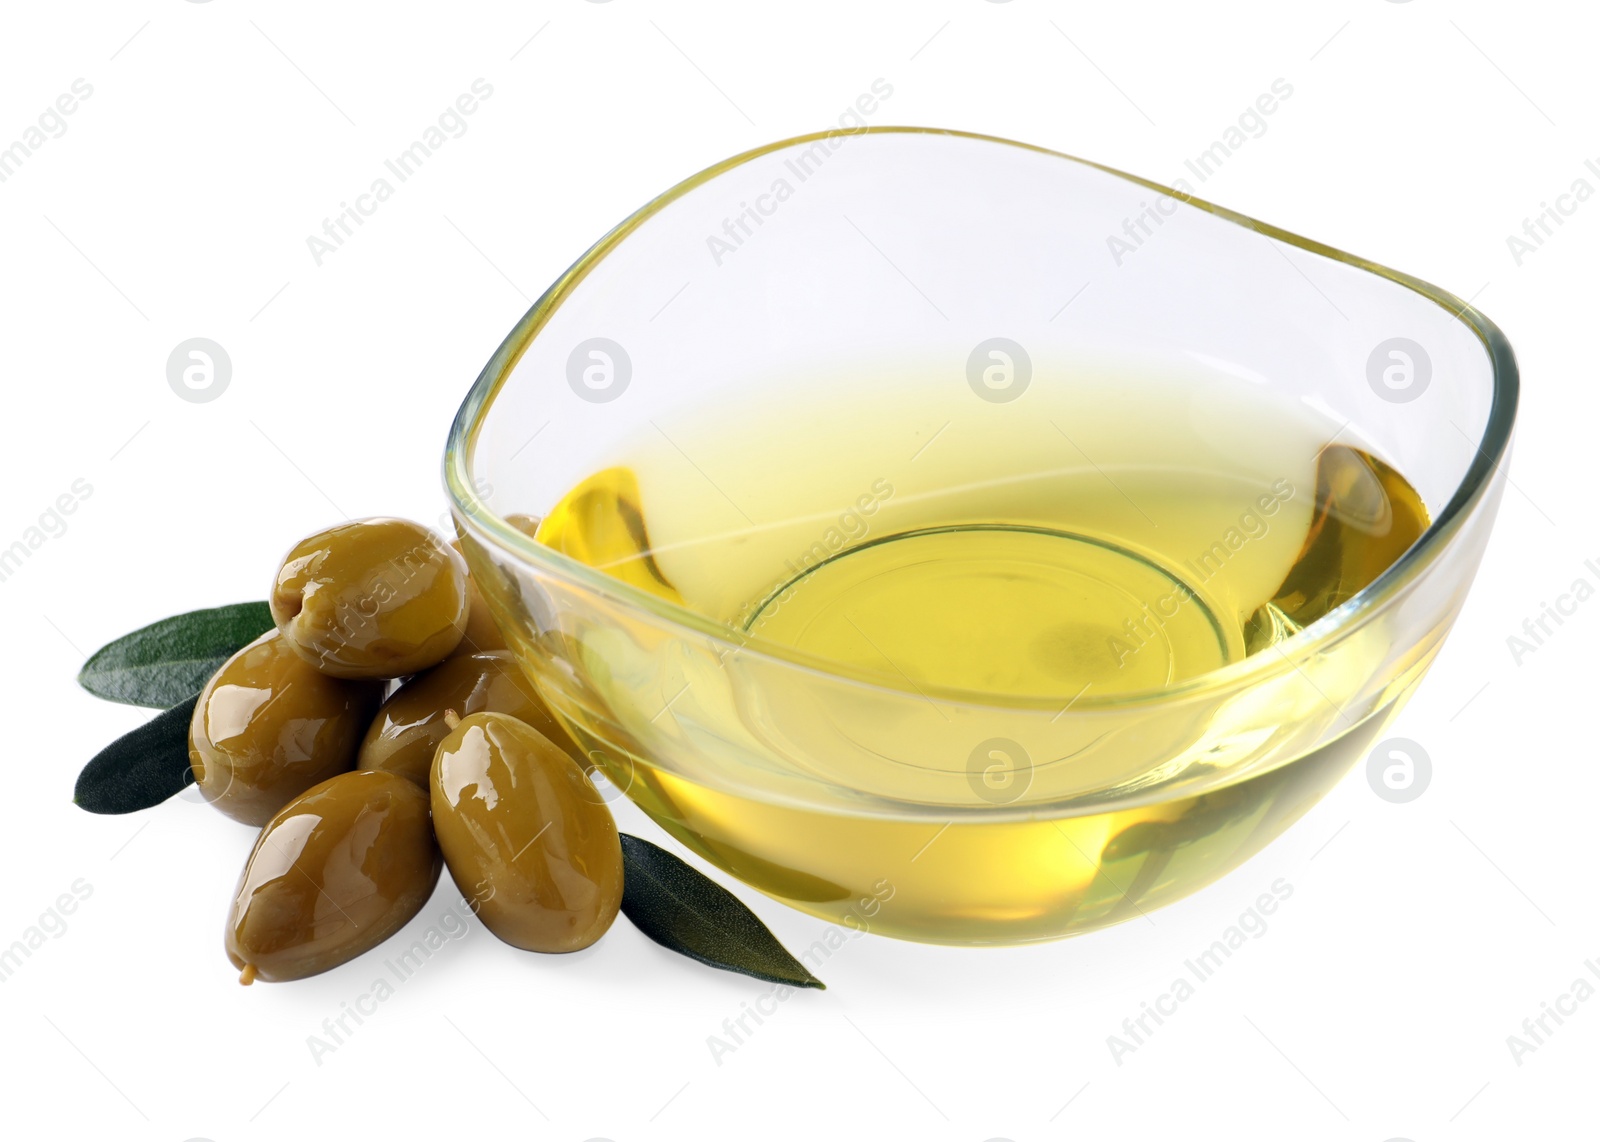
<point x="984" y="594"/>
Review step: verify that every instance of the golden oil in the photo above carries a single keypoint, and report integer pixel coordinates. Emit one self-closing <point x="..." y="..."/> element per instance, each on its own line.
<point x="1102" y="539"/>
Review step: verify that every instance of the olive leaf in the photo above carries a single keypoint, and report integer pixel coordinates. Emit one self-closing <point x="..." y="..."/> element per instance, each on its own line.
<point x="1206" y="816"/>
<point x="1138" y="839"/>
<point x="688" y="913"/>
<point x="167" y="661"/>
<point x="141" y="768"/>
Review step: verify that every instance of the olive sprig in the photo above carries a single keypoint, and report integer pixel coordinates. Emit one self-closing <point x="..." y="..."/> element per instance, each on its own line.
<point x="170" y="665"/>
<point x="167" y="662"/>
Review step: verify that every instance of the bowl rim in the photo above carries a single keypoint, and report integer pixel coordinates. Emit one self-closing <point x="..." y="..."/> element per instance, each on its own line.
<point x="1490" y="454"/>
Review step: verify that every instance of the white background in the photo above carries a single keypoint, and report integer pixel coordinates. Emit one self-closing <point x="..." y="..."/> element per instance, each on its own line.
<point x="177" y="204"/>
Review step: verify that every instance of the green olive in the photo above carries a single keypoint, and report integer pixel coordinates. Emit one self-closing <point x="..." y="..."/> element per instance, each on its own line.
<point x="374" y="598"/>
<point x="268" y="726"/>
<point x="482" y="633"/>
<point x="528" y="525"/>
<point x="337" y="871"/>
<point x="528" y="840"/>
<point x="408" y="729"/>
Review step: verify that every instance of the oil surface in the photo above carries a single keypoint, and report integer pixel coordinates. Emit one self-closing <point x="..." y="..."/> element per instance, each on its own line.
<point x="1113" y="538"/>
<point x="1136" y="570"/>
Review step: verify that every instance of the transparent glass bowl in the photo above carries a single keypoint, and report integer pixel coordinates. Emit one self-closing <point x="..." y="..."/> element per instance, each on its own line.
<point x="842" y="284"/>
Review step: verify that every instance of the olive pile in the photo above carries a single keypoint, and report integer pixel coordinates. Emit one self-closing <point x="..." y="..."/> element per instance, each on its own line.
<point x="361" y="798"/>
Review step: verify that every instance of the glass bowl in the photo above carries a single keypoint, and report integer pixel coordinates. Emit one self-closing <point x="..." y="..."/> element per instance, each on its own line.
<point x="814" y="349"/>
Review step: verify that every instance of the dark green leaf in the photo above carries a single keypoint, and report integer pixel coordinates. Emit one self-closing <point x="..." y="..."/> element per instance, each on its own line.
<point x="1138" y="839"/>
<point x="1206" y="816"/>
<point x="694" y="916"/>
<point x="167" y="661"/>
<point x="142" y="768"/>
